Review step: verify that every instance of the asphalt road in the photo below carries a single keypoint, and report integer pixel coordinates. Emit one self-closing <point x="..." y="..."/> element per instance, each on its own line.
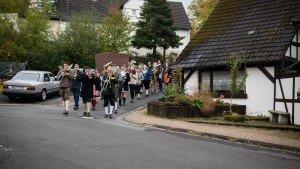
<point x="38" y="136"/>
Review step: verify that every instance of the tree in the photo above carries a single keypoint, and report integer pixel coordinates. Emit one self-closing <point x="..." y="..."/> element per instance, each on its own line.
<point x="115" y="30"/>
<point x="79" y="42"/>
<point x="14" y="6"/>
<point x="156" y="27"/>
<point x="235" y="64"/>
<point x="199" y="12"/>
<point x="33" y="36"/>
<point x="47" y="6"/>
<point x="8" y="36"/>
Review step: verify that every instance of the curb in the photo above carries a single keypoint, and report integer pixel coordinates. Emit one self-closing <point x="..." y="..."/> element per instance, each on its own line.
<point x="247" y="125"/>
<point x="222" y="137"/>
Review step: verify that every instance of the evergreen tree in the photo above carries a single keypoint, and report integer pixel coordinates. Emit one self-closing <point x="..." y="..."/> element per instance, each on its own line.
<point x="156" y="27"/>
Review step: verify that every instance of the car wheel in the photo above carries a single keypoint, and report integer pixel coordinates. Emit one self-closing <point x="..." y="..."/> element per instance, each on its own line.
<point x="11" y="98"/>
<point x="43" y="96"/>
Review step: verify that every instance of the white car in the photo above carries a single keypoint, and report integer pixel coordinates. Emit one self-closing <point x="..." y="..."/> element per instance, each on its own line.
<point x="31" y="84"/>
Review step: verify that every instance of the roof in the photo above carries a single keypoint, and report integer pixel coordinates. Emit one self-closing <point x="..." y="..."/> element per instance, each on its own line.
<point x="262" y="30"/>
<point x="181" y="20"/>
<point x="69" y="7"/>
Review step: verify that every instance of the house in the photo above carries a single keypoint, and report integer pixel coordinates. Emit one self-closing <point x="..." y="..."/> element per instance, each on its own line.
<point x="130" y="7"/>
<point x="267" y="34"/>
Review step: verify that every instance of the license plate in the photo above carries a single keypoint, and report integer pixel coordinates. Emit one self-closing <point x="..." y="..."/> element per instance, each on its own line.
<point x="16" y="87"/>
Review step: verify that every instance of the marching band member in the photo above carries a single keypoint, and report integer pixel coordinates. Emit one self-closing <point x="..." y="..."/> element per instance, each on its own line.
<point x="139" y="79"/>
<point x="76" y="85"/>
<point x="96" y="89"/>
<point x="147" y="79"/>
<point x="88" y="80"/>
<point x="132" y="82"/>
<point x="65" y="77"/>
<point x="126" y="78"/>
<point x="118" y="89"/>
<point x="108" y="88"/>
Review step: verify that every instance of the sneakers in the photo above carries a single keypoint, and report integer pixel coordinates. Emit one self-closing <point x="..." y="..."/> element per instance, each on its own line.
<point x="105" y="116"/>
<point x="84" y="114"/>
<point x="116" y="111"/>
<point x="65" y="112"/>
<point x="75" y="108"/>
<point x="110" y="116"/>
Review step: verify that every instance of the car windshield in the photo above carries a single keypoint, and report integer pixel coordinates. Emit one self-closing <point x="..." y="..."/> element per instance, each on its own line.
<point x="34" y="77"/>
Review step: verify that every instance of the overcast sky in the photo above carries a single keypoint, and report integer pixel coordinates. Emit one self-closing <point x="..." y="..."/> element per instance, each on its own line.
<point x="185" y="3"/>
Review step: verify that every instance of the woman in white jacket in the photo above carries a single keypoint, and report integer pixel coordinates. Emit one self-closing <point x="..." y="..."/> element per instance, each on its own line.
<point x="138" y="85"/>
<point x="132" y="82"/>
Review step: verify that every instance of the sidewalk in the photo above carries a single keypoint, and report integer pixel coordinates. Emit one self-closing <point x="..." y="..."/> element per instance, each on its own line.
<point x="287" y="140"/>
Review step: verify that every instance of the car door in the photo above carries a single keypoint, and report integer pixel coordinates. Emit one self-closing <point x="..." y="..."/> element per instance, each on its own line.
<point x="47" y="83"/>
<point x="54" y="83"/>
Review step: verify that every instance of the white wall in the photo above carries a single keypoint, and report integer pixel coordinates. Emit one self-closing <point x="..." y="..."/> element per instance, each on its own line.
<point x="192" y="85"/>
<point x="287" y="85"/>
<point x="131" y="5"/>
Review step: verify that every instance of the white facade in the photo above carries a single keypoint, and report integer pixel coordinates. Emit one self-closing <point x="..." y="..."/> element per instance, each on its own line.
<point x="259" y="90"/>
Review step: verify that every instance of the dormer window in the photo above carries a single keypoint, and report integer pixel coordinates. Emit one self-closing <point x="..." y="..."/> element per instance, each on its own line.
<point x="133" y="12"/>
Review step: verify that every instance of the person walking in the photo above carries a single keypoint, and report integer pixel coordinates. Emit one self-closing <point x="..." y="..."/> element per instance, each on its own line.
<point x="126" y="79"/>
<point x="65" y="76"/>
<point x="88" y="80"/>
<point x="76" y="86"/>
<point x="132" y="82"/>
<point x="108" y="91"/>
<point x="138" y="85"/>
<point x="96" y="89"/>
<point x="147" y="79"/>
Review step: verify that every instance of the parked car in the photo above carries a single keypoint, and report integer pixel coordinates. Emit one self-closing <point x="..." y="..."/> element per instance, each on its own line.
<point x="31" y="84"/>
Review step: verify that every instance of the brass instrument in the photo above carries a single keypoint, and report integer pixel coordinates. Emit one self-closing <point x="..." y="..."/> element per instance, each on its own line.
<point x="66" y="72"/>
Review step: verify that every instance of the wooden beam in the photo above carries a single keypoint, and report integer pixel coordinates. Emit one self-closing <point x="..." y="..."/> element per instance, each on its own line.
<point x="200" y="79"/>
<point x="288" y="100"/>
<point x="182" y="79"/>
<point x="211" y="84"/>
<point x="285" y="76"/>
<point x="267" y="74"/>
<point x="293" y="106"/>
<point x="281" y="88"/>
<point x="188" y="76"/>
<point x="296" y="44"/>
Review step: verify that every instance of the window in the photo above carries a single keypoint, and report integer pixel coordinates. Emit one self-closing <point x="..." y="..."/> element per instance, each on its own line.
<point x="219" y="82"/>
<point x="46" y="78"/>
<point x="133" y="12"/>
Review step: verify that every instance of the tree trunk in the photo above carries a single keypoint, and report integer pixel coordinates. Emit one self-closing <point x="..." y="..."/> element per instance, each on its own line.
<point x="154" y="48"/>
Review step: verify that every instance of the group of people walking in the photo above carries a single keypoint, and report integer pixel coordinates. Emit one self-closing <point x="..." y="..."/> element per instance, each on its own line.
<point x="111" y="85"/>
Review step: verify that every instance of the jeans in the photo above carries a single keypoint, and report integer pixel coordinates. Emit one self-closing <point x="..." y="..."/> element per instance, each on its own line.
<point x="76" y="93"/>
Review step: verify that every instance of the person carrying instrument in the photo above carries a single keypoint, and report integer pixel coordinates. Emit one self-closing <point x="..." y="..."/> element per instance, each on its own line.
<point x="96" y="89"/>
<point x="108" y="91"/>
<point x="65" y="76"/>
<point x="76" y="85"/>
<point x="88" y="80"/>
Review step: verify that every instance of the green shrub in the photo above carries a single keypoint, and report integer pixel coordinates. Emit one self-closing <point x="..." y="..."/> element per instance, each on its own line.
<point x="226" y="113"/>
<point x="174" y="89"/>
<point x="238" y="118"/>
<point x="197" y="102"/>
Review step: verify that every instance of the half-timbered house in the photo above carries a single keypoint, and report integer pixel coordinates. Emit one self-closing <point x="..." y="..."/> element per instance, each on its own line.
<point x="267" y="34"/>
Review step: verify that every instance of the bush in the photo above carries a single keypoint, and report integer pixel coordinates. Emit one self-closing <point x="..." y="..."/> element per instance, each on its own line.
<point x="174" y="89"/>
<point x="237" y="118"/>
